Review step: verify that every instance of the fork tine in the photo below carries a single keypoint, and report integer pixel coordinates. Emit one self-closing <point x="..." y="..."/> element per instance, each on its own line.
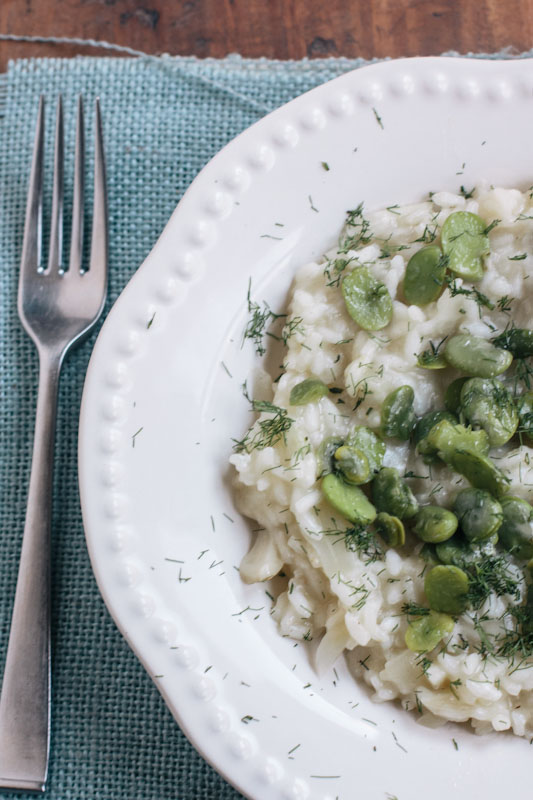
<point x="76" y="239"/>
<point x="55" y="254"/>
<point x="33" y="226"/>
<point x="98" y="259"/>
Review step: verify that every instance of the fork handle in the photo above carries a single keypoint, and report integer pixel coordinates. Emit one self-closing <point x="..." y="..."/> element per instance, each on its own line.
<point x="25" y="697"/>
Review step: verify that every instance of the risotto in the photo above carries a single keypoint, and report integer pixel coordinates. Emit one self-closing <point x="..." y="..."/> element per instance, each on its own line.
<point x="390" y="466"/>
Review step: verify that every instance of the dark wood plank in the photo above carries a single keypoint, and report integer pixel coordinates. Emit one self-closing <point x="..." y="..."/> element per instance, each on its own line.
<point x="274" y="28"/>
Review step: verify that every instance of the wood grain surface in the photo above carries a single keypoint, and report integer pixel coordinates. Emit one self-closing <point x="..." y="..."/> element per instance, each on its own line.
<point x="282" y="29"/>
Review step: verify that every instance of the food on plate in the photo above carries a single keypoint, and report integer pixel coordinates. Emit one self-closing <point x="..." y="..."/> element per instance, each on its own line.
<point x="390" y="467"/>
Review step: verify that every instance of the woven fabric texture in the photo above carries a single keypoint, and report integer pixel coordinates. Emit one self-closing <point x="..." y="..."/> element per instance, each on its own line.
<point x="112" y="735"/>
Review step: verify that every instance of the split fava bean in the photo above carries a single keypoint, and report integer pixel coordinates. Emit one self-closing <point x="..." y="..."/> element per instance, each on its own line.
<point x="348" y="500"/>
<point x="488" y="404"/>
<point x="390" y="493"/>
<point x="308" y="391"/>
<point x="390" y="529"/>
<point x="367" y="299"/>
<point x="397" y="413"/>
<point x="480" y="515"/>
<point x="431" y="359"/>
<point x="480" y="471"/>
<point x="325" y="454"/>
<point x="516" y="530"/>
<point x="465" y="243"/>
<point x="353" y="464"/>
<point x="424" y="634"/>
<point x="519" y="342"/>
<point x="476" y="356"/>
<point x="435" y="524"/>
<point x="369" y="443"/>
<point x="445" y="439"/>
<point x="424" y="276"/>
<point x="446" y="589"/>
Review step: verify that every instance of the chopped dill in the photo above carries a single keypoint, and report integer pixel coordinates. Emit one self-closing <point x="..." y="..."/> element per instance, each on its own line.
<point x="361" y="234"/>
<point x="260" y="318"/>
<point x="467" y="194"/>
<point x="266" y="432"/>
<point x="414" y="610"/>
<point x="357" y="539"/>
<point x="378" y="119"/>
<point x="473" y="294"/>
<point x="491" y="574"/>
<point x="491" y="227"/>
<point x="518" y="257"/>
<point x="325" y="166"/>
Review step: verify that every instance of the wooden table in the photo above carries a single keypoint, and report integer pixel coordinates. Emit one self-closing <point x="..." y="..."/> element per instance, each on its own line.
<point x="274" y="28"/>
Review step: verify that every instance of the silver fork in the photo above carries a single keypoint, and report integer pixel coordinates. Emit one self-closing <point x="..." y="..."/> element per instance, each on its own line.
<point x="57" y="306"/>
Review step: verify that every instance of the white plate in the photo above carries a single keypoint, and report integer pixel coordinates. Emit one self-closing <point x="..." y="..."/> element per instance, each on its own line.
<point x="163" y="399"/>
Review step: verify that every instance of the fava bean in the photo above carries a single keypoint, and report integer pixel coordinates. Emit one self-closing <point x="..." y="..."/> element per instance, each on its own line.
<point x="431" y="359"/>
<point x="391" y="494"/>
<point x="488" y="404"/>
<point x="480" y="515"/>
<point x="424" y="634"/>
<point x="462" y="553"/>
<point x="369" y="443"/>
<point x="435" y="524"/>
<point x="465" y="243"/>
<point x="397" y="414"/>
<point x="348" y="500"/>
<point x="519" y="342"/>
<point x="353" y="464"/>
<point x="480" y="471"/>
<point x="424" y="276"/>
<point x="476" y="356"/>
<point x="308" y="391"/>
<point x="446" y="589"/>
<point x="516" y="530"/>
<point x="390" y="529"/>
<point x="325" y="454"/>
<point x="445" y="438"/>
<point x="367" y="299"/>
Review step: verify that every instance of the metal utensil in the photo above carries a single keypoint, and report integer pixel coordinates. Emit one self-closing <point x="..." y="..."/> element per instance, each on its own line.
<point x="57" y="306"/>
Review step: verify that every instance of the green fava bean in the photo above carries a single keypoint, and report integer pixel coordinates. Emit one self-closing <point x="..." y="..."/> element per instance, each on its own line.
<point x="430" y="359"/>
<point x="480" y="471"/>
<point x="516" y="530"/>
<point x="429" y="555"/>
<point x="465" y="243"/>
<point x="480" y="515"/>
<point x="325" y="454"/>
<point x="476" y="356"/>
<point x="397" y="413"/>
<point x="369" y="443"/>
<point x="353" y="464"/>
<point x="390" y="529"/>
<point x="348" y="500"/>
<point x="462" y="553"/>
<point x="435" y="524"/>
<point x="452" y="396"/>
<point x="488" y="404"/>
<point x="519" y="342"/>
<point x="424" y="276"/>
<point x="308" y="391"/>
<point x="424" y="634"/>
<point x="367" y="299"/>
<point x="446" y="589"/>
<point x="391" y="494"/>
<point x="445" y="439"/>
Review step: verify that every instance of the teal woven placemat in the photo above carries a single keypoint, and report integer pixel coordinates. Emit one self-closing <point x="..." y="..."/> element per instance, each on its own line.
<point x="113" y="736"/>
